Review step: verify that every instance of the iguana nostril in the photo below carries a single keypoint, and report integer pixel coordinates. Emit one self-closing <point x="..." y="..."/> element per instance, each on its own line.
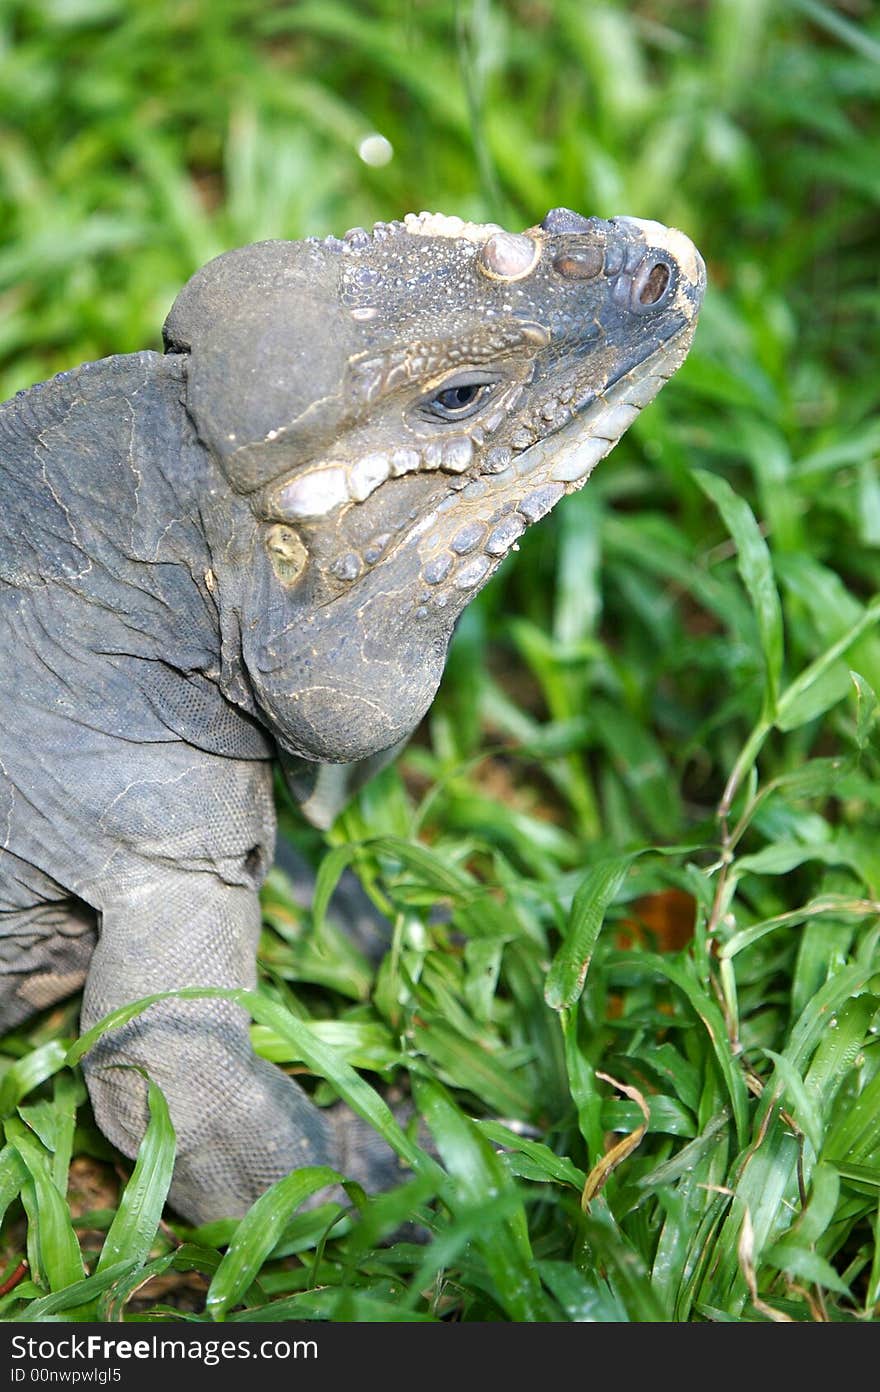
<point x="652" y="282"/>
<point x="655" y="285"/>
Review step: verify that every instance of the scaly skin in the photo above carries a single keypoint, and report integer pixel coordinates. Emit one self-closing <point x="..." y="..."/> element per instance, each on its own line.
<point x="257" y="546"/>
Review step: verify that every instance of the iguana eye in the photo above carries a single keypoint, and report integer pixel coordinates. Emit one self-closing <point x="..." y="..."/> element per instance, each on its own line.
<point x="458" y="399"/>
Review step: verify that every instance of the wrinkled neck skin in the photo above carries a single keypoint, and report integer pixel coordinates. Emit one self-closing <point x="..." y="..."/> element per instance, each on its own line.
<point x="384" y="417"/>
<point x="310" y="672"/>
<point x="340" y="682"/>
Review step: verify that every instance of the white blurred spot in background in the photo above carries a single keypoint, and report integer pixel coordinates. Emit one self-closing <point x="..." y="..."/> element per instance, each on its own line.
<point x="376" y="150"/>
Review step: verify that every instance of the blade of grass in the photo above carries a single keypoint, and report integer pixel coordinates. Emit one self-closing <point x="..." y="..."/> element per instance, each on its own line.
<point x="568" y="971"/>
<point x="756" y="569"/>
<point x="133" y="1230"/>
<point x="60" y="1259"/>
<point x="479" y="1176"/>
<point x="257" y="1234"/>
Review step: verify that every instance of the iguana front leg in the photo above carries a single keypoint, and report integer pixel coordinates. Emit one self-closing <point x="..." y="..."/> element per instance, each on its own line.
<point x="241" y="1123"/>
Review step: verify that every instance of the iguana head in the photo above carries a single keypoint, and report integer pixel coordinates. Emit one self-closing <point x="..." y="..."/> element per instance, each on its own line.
<point x="394" y="409"/>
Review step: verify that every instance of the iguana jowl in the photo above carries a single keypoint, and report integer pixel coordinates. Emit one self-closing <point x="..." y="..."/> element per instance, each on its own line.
<point x="257" y="545"/>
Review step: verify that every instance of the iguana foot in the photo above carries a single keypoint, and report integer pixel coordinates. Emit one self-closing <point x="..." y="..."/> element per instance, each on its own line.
<point x="240" y="1123"/>
<point x="361" y="1153"/>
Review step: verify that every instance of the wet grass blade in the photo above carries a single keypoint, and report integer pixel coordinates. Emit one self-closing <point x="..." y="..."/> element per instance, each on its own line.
<point x="257" y="1234"/>
<point x="756" y="569"/>
<point x="79" y="1295"/>
<point x="14" y="1175"/>
<point x="133" y="1230"/>
<point x="59" y="1258"/>
<point x="27" y="1073"/>
<point x="479" y="1175"/>
<point x="545" y="1163"/>
<point x="568" y="971"/>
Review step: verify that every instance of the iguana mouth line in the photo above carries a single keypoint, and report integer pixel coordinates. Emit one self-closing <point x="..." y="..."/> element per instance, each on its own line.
<point x="321" y="492"/>
<point x="498" y="506"/>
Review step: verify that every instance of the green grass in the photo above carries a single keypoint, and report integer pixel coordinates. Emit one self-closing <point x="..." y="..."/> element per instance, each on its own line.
<point x="661" y="712"/>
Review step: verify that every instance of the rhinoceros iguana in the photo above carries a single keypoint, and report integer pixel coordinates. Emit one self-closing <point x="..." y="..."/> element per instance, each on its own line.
<point x="256" y="546"/>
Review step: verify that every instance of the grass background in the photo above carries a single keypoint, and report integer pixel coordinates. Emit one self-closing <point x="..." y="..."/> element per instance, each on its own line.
<point x="655" y="750"/>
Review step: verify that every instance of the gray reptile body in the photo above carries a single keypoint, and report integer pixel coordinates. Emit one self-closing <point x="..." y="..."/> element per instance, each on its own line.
<point x="256" y="546"/>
